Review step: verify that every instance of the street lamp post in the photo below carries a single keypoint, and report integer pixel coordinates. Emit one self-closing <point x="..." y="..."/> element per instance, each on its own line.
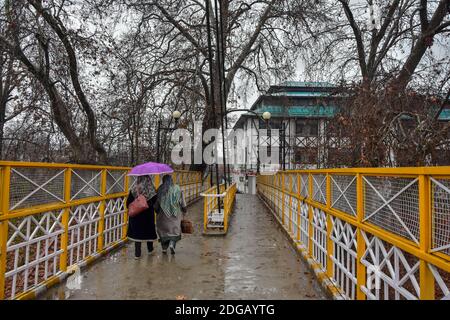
<point x="266" y="117"/>
<point x="176" y="115"/>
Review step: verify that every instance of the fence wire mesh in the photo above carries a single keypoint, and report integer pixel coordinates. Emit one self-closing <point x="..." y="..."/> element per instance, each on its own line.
<point x="115" y="181"/>
<point x="85" y="183"/>
<point x="393" y="204"/>
<point x="343" y="193"/>
<point x="35" y="186"/>
<point x="440" y="190"/>
<point x="320" y="188"/>
<point x="304" y="185"/>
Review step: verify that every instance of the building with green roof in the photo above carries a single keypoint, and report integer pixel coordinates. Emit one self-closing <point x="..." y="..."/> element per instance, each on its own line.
<point x="299" y="111"/>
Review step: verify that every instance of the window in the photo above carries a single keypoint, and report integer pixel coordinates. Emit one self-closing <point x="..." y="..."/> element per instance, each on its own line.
<point x="307" y="127"/>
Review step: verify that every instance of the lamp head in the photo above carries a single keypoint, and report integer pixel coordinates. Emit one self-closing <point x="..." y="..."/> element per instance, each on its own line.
<point x="176" y="114"/>
<point x="266" y="115"/>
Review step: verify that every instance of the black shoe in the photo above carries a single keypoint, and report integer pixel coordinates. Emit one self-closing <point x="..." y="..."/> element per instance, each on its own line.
<point x="172" y="248"/>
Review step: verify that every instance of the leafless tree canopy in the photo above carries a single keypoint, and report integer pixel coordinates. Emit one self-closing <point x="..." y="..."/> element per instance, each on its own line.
<point x="88" y="81"/>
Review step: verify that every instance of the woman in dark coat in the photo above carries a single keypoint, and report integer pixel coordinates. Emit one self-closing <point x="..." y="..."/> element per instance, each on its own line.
<point x="141" y="228"/>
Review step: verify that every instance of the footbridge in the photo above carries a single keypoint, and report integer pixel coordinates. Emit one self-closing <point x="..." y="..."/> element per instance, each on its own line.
<point x="313" y="234"/>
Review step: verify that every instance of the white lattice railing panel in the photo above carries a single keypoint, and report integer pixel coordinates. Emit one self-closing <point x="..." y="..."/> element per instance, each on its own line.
<point x="319" y="238"/>
<point x="304" y="223"/>
<point x="35" y="186"/>
<point x="440" y="210"/>
<point x="115" y="181"/>
<point x="83" y="232"/>
<point x="320" y="188"/>
<point x="442" y="283"/>
<point x="344" y="257"/>
<point x="85" y="184"/>
<point x="33" y="250"/>
<point x="343" y="193"/>
<point x="132" y="181"/>
<point x="295" y="218"/>
<point x="114" y="221"/>
<point x="278" y="199"/>
<point x="287" y="209"/>
<point x="393" y="204"/>
<point x="392" y="273"/>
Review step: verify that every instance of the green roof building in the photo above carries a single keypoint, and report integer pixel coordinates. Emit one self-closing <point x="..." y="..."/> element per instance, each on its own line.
<point x="299" y="111"/>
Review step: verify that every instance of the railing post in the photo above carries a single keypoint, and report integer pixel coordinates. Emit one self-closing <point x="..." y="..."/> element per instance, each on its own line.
<point x="65" y="220"/>
<point x="299" y="207"/>
<point x="226" y="211"/>
<point x="205" y="213"/>
<point x="125" y="214"/>
<point x="329" y="229"/>
<point x="310" y="215"/>
<point x="283" y="190"/>
<point x="4" y="227"/>
<point x="290" y="202"/>
<point x="360" y="243"/>
<point x="101" y="223"/>
<point x="426" y="276"/>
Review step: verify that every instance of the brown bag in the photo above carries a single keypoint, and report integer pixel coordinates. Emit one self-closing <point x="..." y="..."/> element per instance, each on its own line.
<point x="137" y="206"/>
<point x="186" y="226"/>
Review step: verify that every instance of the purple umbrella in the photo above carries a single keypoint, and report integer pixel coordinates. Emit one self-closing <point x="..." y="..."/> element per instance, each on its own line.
<point x="150" y="168"/>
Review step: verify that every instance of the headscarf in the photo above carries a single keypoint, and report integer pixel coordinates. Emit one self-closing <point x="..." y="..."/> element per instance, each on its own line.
<point x="144" y="186"/>
<point x="169" y="196"/>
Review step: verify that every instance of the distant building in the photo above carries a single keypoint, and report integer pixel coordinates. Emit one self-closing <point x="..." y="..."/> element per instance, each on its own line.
<point x="300" y="110"/>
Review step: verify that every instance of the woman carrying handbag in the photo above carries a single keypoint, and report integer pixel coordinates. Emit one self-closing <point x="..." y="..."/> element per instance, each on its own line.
<point x="141" y="222"/>
<point x="170" y="209"/>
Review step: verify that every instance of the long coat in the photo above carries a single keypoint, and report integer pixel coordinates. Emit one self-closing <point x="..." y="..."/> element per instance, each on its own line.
<point x="169" y="227"/>
<point x="142" y="226"/>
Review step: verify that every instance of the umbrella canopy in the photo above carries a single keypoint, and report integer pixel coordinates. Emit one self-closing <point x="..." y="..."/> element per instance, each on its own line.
<point x="150" y="168"/>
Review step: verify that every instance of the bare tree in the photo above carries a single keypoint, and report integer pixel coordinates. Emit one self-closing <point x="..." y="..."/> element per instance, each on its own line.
<point x="403" y="38"/>
<point x="37" y="37"/>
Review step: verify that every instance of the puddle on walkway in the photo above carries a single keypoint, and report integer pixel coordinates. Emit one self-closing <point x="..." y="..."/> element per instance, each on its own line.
<point x="254" y="261"/>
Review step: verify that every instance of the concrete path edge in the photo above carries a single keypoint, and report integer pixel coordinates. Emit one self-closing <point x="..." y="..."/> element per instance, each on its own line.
<point x="330" y="288"/>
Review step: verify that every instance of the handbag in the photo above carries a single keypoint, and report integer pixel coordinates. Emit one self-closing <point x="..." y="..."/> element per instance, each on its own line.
<point x="137" y="206"/>
<point x="186" y="226"/>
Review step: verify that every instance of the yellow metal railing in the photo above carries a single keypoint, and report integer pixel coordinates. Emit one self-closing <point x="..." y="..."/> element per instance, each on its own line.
<point x="212" y="200"/>
<point x="56" y="216"/>
<point x="378" y="233"/>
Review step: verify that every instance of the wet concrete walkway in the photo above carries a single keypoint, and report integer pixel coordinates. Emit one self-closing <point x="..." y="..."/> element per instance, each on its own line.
<point x="253" y="261"/>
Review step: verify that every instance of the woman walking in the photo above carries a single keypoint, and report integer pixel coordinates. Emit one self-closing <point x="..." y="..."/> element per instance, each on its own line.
<point x="141" y="228"/>
<point x="170" y="207"/>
